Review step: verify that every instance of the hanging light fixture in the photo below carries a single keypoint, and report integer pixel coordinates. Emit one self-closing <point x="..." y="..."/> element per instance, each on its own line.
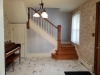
<point x="41" y="11"/>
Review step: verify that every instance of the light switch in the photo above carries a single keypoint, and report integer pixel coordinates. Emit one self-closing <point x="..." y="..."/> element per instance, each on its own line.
<point x="91" y="18"/>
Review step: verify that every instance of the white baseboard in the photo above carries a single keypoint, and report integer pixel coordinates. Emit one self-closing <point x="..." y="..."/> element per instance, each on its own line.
<point x="38" y="54"/>
<point x="65" y="42"/>
<point x="86" y="64"/>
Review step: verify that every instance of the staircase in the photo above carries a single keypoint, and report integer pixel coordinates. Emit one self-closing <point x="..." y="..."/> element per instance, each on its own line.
<point x="67" y="52"/>
<point x="48" y="30"/>
<point x="38" y="29"/>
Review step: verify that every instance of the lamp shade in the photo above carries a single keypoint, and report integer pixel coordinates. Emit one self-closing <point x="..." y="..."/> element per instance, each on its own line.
<point x="36" y="15"/>
<point x="44" y="14"/>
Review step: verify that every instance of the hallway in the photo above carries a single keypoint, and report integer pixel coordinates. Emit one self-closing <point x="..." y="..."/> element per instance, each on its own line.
<point x="45" y="66"/>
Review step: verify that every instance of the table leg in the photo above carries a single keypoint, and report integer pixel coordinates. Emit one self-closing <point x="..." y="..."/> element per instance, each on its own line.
<point x="13" y="65"/>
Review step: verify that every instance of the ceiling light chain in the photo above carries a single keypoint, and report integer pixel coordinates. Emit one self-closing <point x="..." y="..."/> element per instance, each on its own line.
<point x="41" y="1"/>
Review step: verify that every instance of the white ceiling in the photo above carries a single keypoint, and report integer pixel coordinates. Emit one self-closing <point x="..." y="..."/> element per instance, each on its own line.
<point x="64" y="5"/>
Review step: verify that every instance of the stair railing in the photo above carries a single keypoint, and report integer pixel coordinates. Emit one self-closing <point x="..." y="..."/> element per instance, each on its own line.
<point x="46" y="25"/>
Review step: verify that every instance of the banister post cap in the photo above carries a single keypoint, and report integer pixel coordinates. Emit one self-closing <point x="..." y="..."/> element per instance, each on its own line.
<point x="59" y="26"/>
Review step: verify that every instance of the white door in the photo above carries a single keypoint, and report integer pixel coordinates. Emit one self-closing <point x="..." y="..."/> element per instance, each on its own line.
<point x="19" y="36"/>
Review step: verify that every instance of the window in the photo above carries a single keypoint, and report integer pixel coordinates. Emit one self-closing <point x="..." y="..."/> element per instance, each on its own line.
<point x="75" y="28"/>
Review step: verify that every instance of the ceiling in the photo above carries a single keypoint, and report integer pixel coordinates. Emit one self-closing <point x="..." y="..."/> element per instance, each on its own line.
<point x="14" y="14"/>
<point x="63" y="5"/>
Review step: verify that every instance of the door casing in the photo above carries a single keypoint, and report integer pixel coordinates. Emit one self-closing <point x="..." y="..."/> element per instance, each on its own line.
<point x="97" y="28"/>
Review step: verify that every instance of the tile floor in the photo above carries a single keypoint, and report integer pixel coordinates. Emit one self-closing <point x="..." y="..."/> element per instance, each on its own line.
<point x="45" y="66"/>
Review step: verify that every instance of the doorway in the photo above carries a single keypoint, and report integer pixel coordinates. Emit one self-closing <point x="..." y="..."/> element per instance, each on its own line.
<point x="97" y="41"/>
<point x="18" y="35"/>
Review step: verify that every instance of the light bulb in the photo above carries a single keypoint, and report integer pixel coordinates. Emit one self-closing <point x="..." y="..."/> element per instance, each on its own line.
<point x="36" y="15"/>
<point x="44" y="15"/>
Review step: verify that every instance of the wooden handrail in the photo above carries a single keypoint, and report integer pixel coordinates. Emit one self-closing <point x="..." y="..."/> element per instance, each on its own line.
<point x="46" y="19"/>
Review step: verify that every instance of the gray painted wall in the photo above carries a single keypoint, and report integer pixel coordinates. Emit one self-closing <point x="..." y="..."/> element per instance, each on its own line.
<point x="63" y="19"/>
<point x="60" y="18"/>
<point x="37" y="44"/>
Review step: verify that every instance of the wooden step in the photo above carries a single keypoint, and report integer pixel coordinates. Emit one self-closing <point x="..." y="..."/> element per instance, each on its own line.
<point x="65" y="52"/>
<point x="53" y="55"/>
<point x="64" y="57"/>
<point x="67" y="48"/>
<point x="66" y="45"/>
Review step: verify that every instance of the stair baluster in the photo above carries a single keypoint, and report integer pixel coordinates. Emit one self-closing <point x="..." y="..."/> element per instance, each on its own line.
<point x="52" y="30"/>
<point x="47" y="26"/>
<point x="40" y="22"/>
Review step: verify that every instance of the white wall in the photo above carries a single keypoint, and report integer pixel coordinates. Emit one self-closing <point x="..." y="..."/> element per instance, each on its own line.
<point x="2" y="67"/>
<point x="16" y="11"/>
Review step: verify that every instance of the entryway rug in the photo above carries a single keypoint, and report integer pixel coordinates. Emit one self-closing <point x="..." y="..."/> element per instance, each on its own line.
<point x="77" y="73"/>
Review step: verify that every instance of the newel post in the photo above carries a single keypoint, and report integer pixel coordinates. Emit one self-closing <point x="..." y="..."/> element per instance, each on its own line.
<point x="59" y="38"/>
<point x="28" y="26"/>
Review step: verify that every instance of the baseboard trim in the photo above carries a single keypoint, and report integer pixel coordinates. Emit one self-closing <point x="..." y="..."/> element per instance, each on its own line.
<point x="38" y="54"/>
<point x="86" y="64"/>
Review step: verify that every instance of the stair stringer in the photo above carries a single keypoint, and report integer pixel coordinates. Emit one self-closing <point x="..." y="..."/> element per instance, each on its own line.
<point x="44" y="34"/>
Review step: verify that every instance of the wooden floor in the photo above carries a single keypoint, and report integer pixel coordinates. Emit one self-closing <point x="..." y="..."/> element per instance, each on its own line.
<point x="67" y="52"/>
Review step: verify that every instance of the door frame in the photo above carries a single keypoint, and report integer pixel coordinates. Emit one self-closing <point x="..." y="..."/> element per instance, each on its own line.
<point x="18" y="25"/>
<point x="96" y="37"/>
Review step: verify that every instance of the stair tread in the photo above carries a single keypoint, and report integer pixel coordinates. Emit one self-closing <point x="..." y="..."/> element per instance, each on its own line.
<point x="63" y="54"/>
<point x="66" y="52"/>
<point x="66" y="45"/>
<point x="64" y="57"/>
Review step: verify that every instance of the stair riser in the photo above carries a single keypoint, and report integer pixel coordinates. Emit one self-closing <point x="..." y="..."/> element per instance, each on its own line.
<point x="68" y="48"/>
<point x="65" y="52"/>
<point x="67" y="57"/>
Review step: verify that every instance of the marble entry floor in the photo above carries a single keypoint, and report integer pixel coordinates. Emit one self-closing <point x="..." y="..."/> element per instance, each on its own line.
<point x="45" y="66"/>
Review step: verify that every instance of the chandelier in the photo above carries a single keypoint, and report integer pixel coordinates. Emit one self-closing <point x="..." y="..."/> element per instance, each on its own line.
<point x="41" y="11"/>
